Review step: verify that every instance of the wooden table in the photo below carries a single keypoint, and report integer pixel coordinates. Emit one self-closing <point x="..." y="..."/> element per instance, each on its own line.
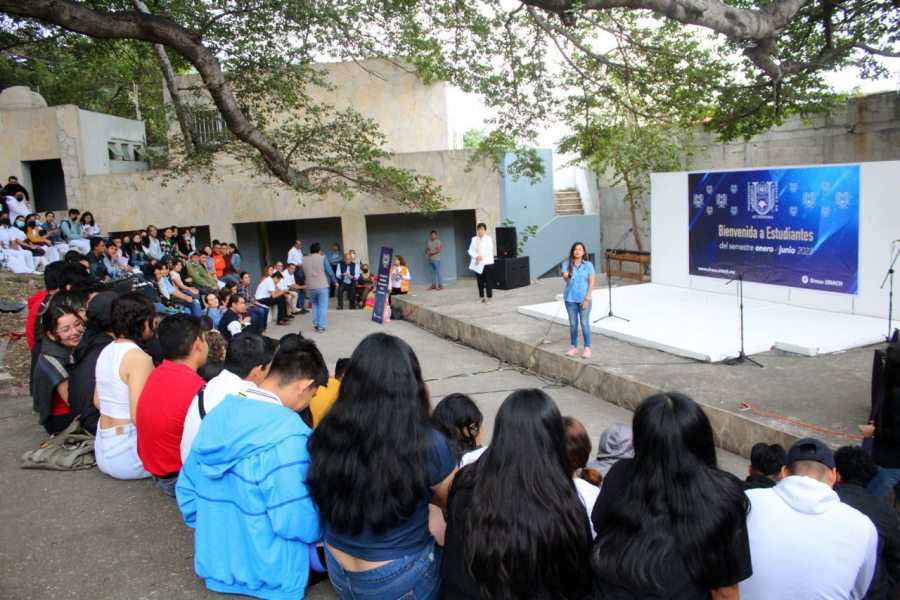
<point x="641" y="259"/>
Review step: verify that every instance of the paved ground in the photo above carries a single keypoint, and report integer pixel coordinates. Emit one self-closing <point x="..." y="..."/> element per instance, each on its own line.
<point x="84" y="535"/>
<point x="822" y="394"/>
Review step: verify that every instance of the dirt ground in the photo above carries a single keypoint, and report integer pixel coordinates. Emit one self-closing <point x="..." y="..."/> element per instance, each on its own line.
<point x="17" y="360"/>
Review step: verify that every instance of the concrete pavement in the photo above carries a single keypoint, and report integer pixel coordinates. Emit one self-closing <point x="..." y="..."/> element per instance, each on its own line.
<point x="85" y="535"/>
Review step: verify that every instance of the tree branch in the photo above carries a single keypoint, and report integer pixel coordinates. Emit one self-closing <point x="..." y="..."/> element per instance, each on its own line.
<point x="158" y="30"/>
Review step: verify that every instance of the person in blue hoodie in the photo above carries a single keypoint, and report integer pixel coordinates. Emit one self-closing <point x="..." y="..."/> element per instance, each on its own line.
<point x="242" y="487"/>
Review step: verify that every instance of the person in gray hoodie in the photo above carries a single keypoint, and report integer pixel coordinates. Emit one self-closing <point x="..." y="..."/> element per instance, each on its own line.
<point x="615" y="444"/>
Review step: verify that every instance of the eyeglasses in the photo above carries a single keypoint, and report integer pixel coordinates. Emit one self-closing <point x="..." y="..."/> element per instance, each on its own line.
<point x="70" y="329"/>
<point x="474" y="428"/>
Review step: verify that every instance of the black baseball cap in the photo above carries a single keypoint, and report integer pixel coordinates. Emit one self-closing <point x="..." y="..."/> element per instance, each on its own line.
<point x="811" y="449"/>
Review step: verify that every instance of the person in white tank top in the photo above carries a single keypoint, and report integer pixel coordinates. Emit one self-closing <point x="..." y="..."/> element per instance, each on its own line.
<point x="122" y="370"/>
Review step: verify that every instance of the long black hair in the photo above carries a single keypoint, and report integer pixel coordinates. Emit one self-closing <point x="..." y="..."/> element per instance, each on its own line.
<point x="525" y="532"/>
<point x="458" y="419"/>
<point x="676" y="502"/>
<point x="368" y="456"/>
<point x="571" y="259"/>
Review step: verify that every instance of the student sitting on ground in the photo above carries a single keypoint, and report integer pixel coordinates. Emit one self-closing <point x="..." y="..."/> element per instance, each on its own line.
<point x="215" y="360"/>
<point x="459" y="420"/>
<point x="373" y="483"/>
<point x="587" y="480"/>
<point x="122" y="370"/>
<point x="235" y="320"/>
<point x="199" y="275"/>
<point x="327" y="394"/>
<point x="242" y="487"/>
<point x="246" y="365"/>
<point x="213" y="309"/>
<point x="766" y="462"/>
<point x="515" y="527"/>
<point x="855" y="469"/>
<point x="166" y="396"/>
<point x="82" y="378"/>
<point x="669" y="524"/>
<point x="806" y="543"/>
<point x="171" y="294"/>
<point x="615" y="444"/>
<point x="62" y="328"/>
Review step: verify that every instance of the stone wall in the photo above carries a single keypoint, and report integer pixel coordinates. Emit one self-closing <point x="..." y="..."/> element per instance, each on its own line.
<point x="869" y="130"/>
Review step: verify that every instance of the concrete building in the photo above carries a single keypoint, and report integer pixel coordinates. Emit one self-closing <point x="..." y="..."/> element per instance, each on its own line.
<point x="97" y="157"/>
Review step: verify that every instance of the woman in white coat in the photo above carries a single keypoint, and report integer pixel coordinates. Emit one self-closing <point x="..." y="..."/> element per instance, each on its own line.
<point x="481" y="250"/>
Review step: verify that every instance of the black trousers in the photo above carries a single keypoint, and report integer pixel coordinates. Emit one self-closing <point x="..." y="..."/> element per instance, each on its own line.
<point x="280" y="302"/>
<point x="350" y="290"/>
<point x="485" y="280"/>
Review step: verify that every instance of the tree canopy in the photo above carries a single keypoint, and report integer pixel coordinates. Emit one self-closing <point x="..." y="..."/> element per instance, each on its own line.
<point x="736" y="67"/>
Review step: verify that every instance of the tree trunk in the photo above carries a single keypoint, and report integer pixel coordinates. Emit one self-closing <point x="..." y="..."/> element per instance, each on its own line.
<point x="632" y="199"/>
<point x="159" y="30"/>
<point x="181" y="111"/>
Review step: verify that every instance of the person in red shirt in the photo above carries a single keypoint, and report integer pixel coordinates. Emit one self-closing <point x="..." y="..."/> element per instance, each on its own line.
<point x="166" y="397"/>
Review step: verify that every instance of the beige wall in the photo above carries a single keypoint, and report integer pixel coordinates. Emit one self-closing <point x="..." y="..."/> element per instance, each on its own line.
<point x="869" y="130"/>
<point x="411" y="115"/>
<point x="130" y="201"/>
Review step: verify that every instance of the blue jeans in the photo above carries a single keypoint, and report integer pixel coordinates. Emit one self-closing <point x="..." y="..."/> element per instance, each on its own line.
<point x="883" y="481"/>
<point x="576" y="313"/>
<point x="301" y="299"/>
<point x="413" y="577"/>
<point x="319" y="300"/>
<point x="435" y="272"/>
<point x="259" y="316"/>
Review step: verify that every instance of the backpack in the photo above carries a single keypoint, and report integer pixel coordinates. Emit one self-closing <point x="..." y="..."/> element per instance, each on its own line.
<point x="69" y="450"/>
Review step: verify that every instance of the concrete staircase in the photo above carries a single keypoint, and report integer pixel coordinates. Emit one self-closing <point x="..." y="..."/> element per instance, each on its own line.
<point x="567" y="202"/>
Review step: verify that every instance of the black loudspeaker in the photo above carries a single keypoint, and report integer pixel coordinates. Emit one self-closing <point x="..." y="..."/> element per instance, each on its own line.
<point x="507" y="243"/>
<point x="511" y="273"/>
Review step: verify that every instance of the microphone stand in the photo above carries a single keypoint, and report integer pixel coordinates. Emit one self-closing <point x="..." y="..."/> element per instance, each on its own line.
<point x="742" y="356"/>
<point x="889" y="276"/>
<point x="610" y="315"/>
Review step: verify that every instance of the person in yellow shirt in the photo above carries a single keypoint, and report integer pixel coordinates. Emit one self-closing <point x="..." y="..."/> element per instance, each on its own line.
<point x="326" y="395"/>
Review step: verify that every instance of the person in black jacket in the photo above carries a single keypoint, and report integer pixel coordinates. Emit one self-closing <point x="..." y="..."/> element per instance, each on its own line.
<point x="855" y="469"/>
<point x="886" y="428"/>
<point x="82" y="379"/>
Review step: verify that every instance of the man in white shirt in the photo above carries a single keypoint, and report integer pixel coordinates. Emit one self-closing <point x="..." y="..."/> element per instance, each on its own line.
<point x="18" y="259"/>
<point x="297" y="287"/>
<point x="18" y="206"/>
<point x="246" y="365"/>
<point x="295" y="254"/>
<point x="287" y="280"/>
<point x="270" y="294"/>
<point x="804" y="541"/>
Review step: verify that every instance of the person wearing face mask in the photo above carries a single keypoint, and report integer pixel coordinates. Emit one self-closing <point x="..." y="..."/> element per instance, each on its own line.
<point x="18" y="205"/>
<point x="18" y="259"/>
<point x="35" y="237"/>
<point x="36" y="251"/>
<point x="364" y="285"/>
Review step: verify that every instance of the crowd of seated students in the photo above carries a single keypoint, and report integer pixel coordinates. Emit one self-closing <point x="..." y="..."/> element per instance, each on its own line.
<point x="290" y="476"/>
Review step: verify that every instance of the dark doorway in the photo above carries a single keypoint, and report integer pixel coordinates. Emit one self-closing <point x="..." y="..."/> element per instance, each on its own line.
<point x="49" y="191"/>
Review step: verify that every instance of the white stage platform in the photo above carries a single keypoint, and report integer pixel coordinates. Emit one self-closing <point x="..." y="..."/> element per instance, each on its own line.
<point x="705" y="326"/>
